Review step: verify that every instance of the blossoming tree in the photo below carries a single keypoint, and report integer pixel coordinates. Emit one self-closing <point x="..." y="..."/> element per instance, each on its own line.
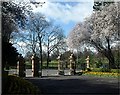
<point x="101" y="30"/>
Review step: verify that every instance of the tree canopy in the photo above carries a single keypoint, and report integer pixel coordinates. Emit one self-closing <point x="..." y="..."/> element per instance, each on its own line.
<point x="100" y="30"/>
<point x="13" y="17"/>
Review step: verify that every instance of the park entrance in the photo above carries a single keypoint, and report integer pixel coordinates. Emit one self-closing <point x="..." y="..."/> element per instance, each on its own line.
<point x="63" y="67"/>
<point x="37" y="70"/>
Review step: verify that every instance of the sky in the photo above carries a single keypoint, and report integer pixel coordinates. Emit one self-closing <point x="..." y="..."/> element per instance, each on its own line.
<point x="65" y="13"/>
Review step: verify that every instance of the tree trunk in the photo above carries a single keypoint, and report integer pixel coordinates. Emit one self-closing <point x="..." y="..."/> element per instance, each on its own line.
<point x="110" y="55"/>
<point x="111" y="59"/>
<point x="106" y="52"/>
<point x="48" y="53"/>
<point x="40" y="45"/>
<point x="112" y="63"/>
<point x="48" y="58"/>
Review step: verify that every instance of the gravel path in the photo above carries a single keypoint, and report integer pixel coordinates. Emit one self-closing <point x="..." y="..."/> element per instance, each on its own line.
<point x="80" y="85"/>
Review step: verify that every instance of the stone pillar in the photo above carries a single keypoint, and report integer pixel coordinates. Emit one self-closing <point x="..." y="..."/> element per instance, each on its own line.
<point x="35" y="66"/>
<point x="60" y="66"/>
<point x="18" y="68"/>
<point x="87" y="62"/>
<point x="21" y="66"/>
<point x="72" y="64"/>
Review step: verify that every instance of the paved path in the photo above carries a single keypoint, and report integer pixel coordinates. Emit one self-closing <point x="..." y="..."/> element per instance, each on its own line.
<point x="80" y="85"/>
<point x="45" y="72"/>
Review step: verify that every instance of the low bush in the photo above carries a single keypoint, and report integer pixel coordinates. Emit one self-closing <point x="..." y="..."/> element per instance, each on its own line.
<point x="103" y="74"/>
<point x="105" y="70"/>
<point x="115" y="70"/>
<point x="96" y="69"/>
<point x="17" y="85"/>
<point x="88" y="69"/>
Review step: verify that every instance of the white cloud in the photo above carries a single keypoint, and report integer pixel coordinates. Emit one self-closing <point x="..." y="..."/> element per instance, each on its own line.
<point x="66" y="12"/>
<point x="22" y="44"/>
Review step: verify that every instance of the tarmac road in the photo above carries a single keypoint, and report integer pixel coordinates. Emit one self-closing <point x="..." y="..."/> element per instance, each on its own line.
<point x="76" y="85"/>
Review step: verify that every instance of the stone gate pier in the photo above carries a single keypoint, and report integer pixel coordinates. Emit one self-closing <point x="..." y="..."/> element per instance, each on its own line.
<point x="35" y="66"/>
<point x="72" y="64"/>
<point x="21" y="66"/>
<point x="60" y="66"/>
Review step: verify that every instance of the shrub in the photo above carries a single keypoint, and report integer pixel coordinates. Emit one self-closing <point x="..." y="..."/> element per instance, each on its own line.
<point x="17" y="85"/>
<point x="115" y="70"/>
<point x="88" y="69"/>
<point x="104" y="70"/>
<point x="96" y="69"/>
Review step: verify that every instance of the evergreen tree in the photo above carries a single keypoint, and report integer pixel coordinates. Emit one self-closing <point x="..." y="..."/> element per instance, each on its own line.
<point x="9" y="54"/>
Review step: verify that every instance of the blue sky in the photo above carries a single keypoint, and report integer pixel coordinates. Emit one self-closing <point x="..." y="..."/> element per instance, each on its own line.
<point x="66" y="13"/>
